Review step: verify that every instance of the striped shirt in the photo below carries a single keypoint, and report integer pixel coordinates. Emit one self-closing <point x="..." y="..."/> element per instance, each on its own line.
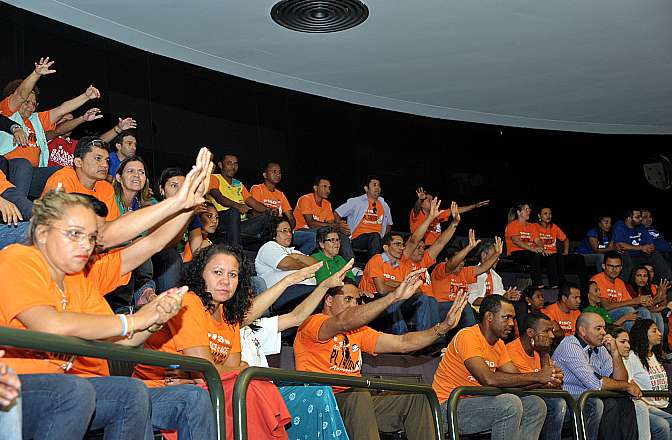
<point x="583" y="366"/>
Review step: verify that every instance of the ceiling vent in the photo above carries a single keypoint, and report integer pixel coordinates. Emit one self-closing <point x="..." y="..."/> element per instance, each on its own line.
<point x="319" y="15"/>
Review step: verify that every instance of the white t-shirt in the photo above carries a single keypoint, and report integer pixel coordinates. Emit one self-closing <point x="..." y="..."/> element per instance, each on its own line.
<point x="655" y="379"/>
<point x="257" y="345"/>
<point x="266" y="263"/>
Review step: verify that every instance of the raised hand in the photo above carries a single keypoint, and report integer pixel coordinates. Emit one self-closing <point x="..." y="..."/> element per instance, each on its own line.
<point x="499" y="245"/>
<point x="92" y="114"/>
<point x="455" y="212"/>
<point x="421" y="193"/>
<point x="192" y="192"/>
<point x="472" y="239"/>
<point x="336" y="280"/>
<point x="43" y="67"/>
<point x="92" y="93"/>
<point x="126" y="124"/>
<point x="663" y="287"/>
<point x="303" y="274"/>
<point x="482" y="203"/>
<point x="434" y="206"/>
<point x="512" y="294"/>
<point x="409" y="286"/>
<point x="455" y="312"/>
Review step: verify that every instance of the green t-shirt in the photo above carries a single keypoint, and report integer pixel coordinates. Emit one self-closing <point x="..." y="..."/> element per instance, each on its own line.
<point x="330" y="267"/>
<point x="600" y="311"/>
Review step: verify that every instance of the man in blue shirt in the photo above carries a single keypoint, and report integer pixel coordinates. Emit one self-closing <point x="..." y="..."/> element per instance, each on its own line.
<point x="636" y="245"/>
<point x="590" y="360"/>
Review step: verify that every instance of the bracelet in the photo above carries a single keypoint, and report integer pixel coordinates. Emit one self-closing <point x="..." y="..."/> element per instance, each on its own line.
<point x="124" y="325"/>
<point x="131" y="327"/>
<point x="115" y="129"/>
<point x="155" y="328"/>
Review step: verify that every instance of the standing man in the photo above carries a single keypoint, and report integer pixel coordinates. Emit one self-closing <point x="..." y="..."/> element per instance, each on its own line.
<point x="368" y="217"/>
<point x="233" y="203"/>
<point x="313" y="211"/>
<point x="477" y="356"/>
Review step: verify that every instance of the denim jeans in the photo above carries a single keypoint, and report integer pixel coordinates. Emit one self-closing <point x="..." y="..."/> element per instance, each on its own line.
<point x="660" y="422"/>
<point x="10" y="234"/>
<point x="466" y="320"/>
<point x="372" y="243"/>
<point x="555" y="417"/>
<point x="233" y="231"/>
<point x="506" y="416"/>
<point x="29" y="180"/>
<point x="616" y="314"/>
<point x="184" y="408"/>
<point x="291" y="298"/>
<point x="424" y="310"/>
<point x="307" y="239"/>
<point x="56" y="406"/>
<point x="10" y="421"/>
<point x="593" y="415"/>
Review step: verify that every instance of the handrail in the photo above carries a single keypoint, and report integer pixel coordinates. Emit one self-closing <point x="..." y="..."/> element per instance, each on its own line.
<point x="583" y="399"/>
<point x="243" y="380"/>
<point x="32" y="340"/>
<point x="458" y="392"/>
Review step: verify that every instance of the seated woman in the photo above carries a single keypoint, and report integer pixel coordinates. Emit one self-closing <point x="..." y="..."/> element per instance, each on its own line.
<point x="276" y="259"/>
<point x="131" y="193"/>
<point x="207" y="213"/>
<point x="640" y="285"/>
<point x="261" y="337"/>
<point x="58" y="296"/>
<point x="208" y="327"/>
<point x="596" y="243"/>
<point x="644" y="365"/>
<point x="548" y="234"/>
<point x="520" y="246"/>
<point x="329" y="245"/>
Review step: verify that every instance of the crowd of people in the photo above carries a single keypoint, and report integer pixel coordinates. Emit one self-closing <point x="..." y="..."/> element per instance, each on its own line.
<point x="198" y="265"/>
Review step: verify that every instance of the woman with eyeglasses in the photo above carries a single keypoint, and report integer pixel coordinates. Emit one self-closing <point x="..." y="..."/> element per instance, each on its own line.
<point x="329" y="244"/>
<point x="277" y="259"/>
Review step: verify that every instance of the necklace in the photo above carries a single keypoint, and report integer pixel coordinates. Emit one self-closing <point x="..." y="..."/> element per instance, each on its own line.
<point x="64" y="304"/>
<point x="64" y="299"/>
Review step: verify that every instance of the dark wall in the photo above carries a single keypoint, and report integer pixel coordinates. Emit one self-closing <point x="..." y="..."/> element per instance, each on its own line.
<point x="180" y="107"/>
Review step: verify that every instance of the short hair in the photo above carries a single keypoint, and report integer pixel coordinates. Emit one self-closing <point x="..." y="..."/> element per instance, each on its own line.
<point x="369" y="178"/>
<point x="566" y="290"/>
<point x="324" y="231"/>
<point x="98" y="206"/>
<point x="581" y="321"/>
<point x="119" y="139"/>
<point x="228" y="153"/>
<point x="14" y="84"/>
<point x="86" y="144"/>
<point x="387" y="238"/>
<point x="492" y="304"/>
<point x="534" y="318"/>
<point x="529" y="291"/>
<point x="316" y="181"/>
<point x="333" y="291"/>
<point x="166" y="174"/>
<point x="613" y="255"/>
<point x="485" y="246"/>
<point x="629" y="212"/>
<point x="269" y="164"/>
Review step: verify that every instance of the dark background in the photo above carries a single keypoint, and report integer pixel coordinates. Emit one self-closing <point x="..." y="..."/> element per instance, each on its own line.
<point x="180" y="107"/>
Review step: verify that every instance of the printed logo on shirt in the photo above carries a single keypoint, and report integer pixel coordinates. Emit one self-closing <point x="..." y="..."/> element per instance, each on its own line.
<point x="372" y="218"/>
<point x="636" y="239"/>
<point x="548" y="241"/>
<point x="220" y="347"/>
<point x="525" y="237"/>
<point x="566" y="325"/>
<point x="614" y="294"/>
<point x="345" y="357"/>
<point x="59" y="156"/>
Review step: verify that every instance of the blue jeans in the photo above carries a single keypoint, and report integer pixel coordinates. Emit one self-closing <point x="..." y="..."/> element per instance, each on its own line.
<point x="424" y="309"/>
<point x="28" y="180"/>
<point x="305" y="240"/>
<point x="555" y="416"/>
<point x="372" y="243"/>
<point x="593" y="415"/>
<point x="185" y="408"/>
<point x="290" y="298"/>
<point x="10" y="234"/>
<point x="10" y="421"/>
<point x="622" y="311"/>
<point x="466" y="320"/>
<point x="660" y="422"/>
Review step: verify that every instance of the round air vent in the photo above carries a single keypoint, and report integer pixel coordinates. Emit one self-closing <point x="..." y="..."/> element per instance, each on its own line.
<point x="319" y="15"/>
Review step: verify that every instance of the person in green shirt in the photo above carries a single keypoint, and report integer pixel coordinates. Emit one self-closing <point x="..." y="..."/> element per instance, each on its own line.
<point x="329" y="244"/>
<point x="595" y="306"/>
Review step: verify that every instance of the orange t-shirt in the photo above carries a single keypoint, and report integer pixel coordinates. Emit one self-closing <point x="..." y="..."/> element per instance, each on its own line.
<point x="378" y="268"/>
<point x="30" y="276"/>
<point x="549" y="236"/>
<point x="341" y="354"/>
<point x="613" y="291"/>
<point x="4" y="183"/>
<point x="445" y="287"/>
<point x="525" y="232"/>
<point x="434" y="229"/>
<point x="371" y="222"/>
<point x="306" y="205"/>
<point x="523" y="361"/>
<point x="31" y="151"/>
<point x="567" y="321"/>
<point x="467" y="343"/>
<point x="193" y="326"/>
<point x="271" y="199"/>
<point x="102" y="190"/>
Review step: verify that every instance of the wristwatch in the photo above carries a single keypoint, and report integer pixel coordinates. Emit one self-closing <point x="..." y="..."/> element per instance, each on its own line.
<point x="15" y="127"/>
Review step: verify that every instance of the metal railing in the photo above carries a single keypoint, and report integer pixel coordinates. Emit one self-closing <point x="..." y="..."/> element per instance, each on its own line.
<point x="31" y="340"/>
<point x="240" y="391"/>
<point x="458" y="392"/>
<point x="583" y="400"/>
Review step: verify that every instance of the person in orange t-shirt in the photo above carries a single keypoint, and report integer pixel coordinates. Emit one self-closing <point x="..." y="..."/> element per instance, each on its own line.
<point x="56" y="294"/>
<point x="313" y="211"/>
<point x="615" y="297"/>
<point x="421" y="209"/>
<point x="451" y="277"/>
<point x="208" y="327"/>
<point x="88" y="175"/>
<point x="268" y="194"/>
<point x="333" y="341"/>
<point x="565" y="311"/>
<point x="520" y="246"/>
<point x="477" y="356"/>
<point x="28" y="163"/>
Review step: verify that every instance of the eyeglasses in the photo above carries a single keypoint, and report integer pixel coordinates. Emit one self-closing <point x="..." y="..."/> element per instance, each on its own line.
<point x="78" y="236"/>
<point x="398" y="244"/>
<point x="332" y="240"/>
<point x="31" y="103"/>
<point x="284" y="230"/>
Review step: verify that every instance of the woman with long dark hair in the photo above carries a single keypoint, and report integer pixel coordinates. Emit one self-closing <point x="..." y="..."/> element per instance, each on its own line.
<point x="645" y="367"/>
<point x="597" y="242"/>
<point x="640" y="285"/>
